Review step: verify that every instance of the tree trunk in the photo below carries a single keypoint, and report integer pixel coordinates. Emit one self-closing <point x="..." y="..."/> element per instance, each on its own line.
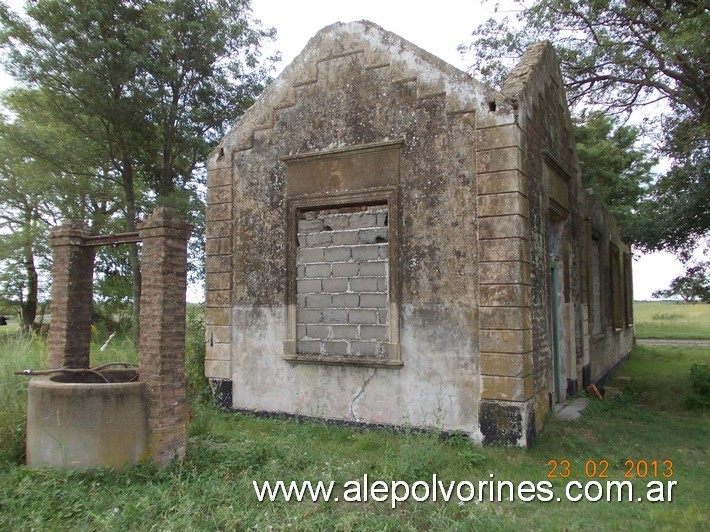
<point x="166" y="173"/>
<point x="136" y="274"/>
<point x="131" y="216"/>
<point x="29" y="303"/>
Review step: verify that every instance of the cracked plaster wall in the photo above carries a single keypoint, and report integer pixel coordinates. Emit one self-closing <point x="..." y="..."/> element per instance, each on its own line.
<point x="354" y="85"/>
<point x="473" y="219"/>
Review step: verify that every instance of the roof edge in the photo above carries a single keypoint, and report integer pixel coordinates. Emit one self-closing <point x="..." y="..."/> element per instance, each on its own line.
<point x="527" y="68"/>
<point x="378" y="48"/>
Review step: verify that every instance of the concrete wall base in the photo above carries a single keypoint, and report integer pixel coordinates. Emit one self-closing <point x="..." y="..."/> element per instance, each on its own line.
<point x="222" y="393"/>
<point x="506" y="423"/>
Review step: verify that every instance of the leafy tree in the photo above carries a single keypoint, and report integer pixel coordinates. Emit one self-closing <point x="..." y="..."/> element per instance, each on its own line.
<point x="71" y="172"/>
<point x="47" y="172"/>
<point x="675" y="217"/>
<point x="84" y="57"/>
<point x="619" y="56"/>
<point x="112" y="291"/>
<point x="693" y="286"/>
<point x="202" y="74"/>
<point x="615" y="166"/>
<point x="22" y="230"/>
<point x="151" y="83"/>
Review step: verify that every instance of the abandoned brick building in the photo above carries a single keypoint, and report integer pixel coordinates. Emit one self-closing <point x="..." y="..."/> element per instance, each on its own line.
<point x="391" y="241"/>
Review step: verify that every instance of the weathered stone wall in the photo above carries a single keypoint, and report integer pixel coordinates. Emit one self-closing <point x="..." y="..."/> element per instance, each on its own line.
<point x="610" y="343"/>
<point x="355" y="86"/>
<point x="483" y="198"/>
<point x="559" y="237"/>
<point x="218" y="274"/>
<point x="551" y="168"/>
<point x="504" y="278"/>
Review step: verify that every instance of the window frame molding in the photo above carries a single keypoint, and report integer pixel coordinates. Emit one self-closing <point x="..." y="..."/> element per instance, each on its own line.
<point x="389" y="196"/>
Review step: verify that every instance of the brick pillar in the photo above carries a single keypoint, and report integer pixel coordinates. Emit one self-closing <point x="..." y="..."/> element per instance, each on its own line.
<point x="506" y="412"/>
<point x="72" y="294"/>
<point x="162" y="332"/>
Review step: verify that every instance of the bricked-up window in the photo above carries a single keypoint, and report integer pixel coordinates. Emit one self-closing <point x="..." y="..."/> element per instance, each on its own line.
<point x="342" y="292"/>
<point x="615" y="282"/>
<point x="341" y="285"/>
<point x="628" y="291"/>
<point x="596" y="287"/>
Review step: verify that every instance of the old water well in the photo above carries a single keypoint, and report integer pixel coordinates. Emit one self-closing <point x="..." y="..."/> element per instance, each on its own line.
<point x="92" y="419"/>
<point x="82" y="417"/>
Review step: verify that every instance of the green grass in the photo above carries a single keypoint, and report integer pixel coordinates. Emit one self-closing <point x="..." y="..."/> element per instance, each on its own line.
<point x="212" y="488"/>
<point x="16" y="354"/>
<point x="11" y="329"/>
<point x="669" y="320"/>
<point x="20" y="352"/>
